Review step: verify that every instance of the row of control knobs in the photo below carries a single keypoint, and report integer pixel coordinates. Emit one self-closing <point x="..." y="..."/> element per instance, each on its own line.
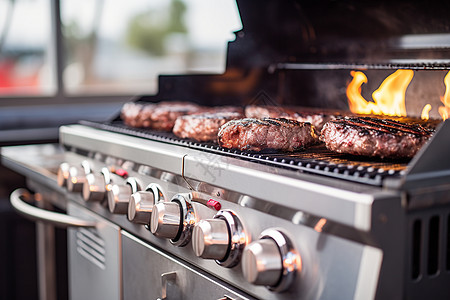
<point x="270" y="261"/>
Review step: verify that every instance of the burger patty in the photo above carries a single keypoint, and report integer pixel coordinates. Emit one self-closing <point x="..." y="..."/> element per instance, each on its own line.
<point x="132" y="115"/>
<point x="317" y="117"/>
<point x="374" y="137"/>
<point x="204" y="126"/>
<point x="268" y="133"/>
<point x="159" y="116"/>
<point x="266" y="111"/>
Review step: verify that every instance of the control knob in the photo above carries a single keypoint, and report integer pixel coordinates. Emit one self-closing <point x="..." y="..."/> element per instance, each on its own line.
<point x="63" y="174"/>
<point x="166" y="220"/>
<point x="174" y="220"/>
<point x="222" y="238"/>
<point x="271" y="261"/>
<point x="77" y="177"/>
<point x="142" y="202"/>
<point x="94" y="187"/>
<point x="119" y="195"/>
<point x="210" y="239"/>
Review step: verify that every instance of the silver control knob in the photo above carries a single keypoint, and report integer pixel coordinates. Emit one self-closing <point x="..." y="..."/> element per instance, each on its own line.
<point x="141" y="206"/>
<point x="94" y="187"/>
<point x="118" y="197"/>
<point x="63" y="174"/>
<point x="262" y="263"/>
<point x="210" y="239"/>
<point x="271" y="261"/>
<point x="76" y="179"/>
<point x="166" y="220"/>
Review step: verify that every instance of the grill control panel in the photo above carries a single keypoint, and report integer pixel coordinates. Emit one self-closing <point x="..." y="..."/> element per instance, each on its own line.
<point x="212" y="232"/>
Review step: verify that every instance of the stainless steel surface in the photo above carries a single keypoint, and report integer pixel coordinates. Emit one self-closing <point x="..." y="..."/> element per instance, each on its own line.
<point x="45" y="254"/>
<point x="262" y="263"/>
<point x="210" y="239"/>
<point x="348" y="203"/>
<point x="165" y="279"/>
<point x="327" y="249"/>
<point x="38" y="214"/>
<point x="148" y="270"/>
<point x="141" y="206"/>
<point x="94" y="258"/>
<point x="327" y="246"/>
<point x="94" y="188"/>
<point x="166" y="219"/>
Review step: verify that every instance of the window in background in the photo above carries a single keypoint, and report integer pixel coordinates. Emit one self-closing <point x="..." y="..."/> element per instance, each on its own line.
<point x="120" y="47"/>
<point x="26" y="50"/>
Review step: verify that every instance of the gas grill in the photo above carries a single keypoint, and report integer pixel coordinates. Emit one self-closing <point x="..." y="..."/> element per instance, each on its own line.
<point x="157" y="216"/>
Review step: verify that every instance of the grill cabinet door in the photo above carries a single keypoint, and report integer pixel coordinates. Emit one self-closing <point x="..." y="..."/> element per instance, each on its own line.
<point x="149" y="273"/>
<point x="94" y="258"/>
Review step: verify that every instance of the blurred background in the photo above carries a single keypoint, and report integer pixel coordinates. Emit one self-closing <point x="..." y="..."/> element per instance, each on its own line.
<point x="61" y="61"/>
<point x="66" y="60"/>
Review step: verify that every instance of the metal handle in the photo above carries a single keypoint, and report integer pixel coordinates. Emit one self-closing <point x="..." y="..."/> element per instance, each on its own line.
<point x="38" y="214"/>
<point x="165" y="277"/>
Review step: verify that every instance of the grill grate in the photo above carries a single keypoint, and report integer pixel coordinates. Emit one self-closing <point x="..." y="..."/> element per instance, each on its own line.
<point x="316" y="159"/>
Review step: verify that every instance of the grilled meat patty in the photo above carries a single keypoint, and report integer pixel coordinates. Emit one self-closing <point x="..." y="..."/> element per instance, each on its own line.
<point x="203" y="127"/>
<point x="317" y="117"/>
<point x="132" y="115"/>
<point x="268" y="133"/>
<point x="374" y="137"/>
<point x="159" y="116"/>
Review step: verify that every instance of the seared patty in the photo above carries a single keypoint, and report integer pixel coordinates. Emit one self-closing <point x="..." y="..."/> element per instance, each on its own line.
<point x="159" y="116"/>
<point x="374" y="137"/>
<point x="268" y="133"/>
<point x="203" y="127"/>
<point x="132" y="114"/>
<point x="317" y="117"/>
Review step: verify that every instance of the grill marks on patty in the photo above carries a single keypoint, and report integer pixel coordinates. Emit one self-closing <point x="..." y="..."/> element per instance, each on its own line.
<point x="279" y="134"/>
<point x="386" y="126"/>
<point x="203" y="127"/>
<point x="317" y="117"/>
<point x="374" y="137"/>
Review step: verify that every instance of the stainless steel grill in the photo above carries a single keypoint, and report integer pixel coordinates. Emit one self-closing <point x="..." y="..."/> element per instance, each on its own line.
<point x="182" y="219"/>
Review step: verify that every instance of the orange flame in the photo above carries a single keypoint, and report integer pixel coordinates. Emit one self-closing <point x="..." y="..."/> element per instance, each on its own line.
<point x="426" y="112"/>
<point x="389" y="98"/>
<point x="444" y="111"/>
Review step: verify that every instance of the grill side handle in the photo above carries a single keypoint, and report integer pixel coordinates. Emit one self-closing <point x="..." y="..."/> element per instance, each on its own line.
<point x="37" y="214"/>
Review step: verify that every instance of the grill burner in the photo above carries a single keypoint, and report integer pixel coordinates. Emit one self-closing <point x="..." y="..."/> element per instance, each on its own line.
<point x="316" y="159"/>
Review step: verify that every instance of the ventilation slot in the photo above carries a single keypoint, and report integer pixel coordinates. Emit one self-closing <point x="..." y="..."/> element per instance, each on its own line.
<point x="416" y="248"/>
<point x="433" y="246"/>
<point x="91" y="247"/>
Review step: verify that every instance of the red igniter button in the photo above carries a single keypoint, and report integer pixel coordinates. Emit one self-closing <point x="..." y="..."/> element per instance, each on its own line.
<point x="121" y="173"/>
<point x="214" y="204"/>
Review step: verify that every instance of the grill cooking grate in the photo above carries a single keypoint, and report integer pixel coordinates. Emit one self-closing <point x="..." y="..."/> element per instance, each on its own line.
<point x="316" y="159"/>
